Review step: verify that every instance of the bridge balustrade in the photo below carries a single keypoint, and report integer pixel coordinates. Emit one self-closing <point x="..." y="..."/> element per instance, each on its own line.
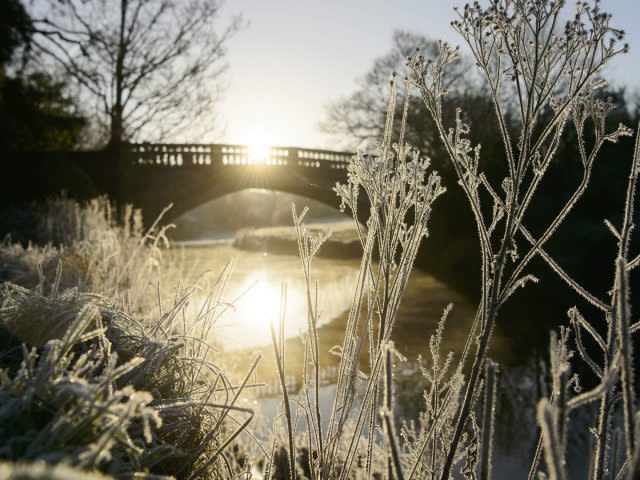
<point x="222" y="155"/>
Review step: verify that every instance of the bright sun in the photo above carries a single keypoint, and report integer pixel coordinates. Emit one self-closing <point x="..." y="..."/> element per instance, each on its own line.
<point x="258" y="152"/>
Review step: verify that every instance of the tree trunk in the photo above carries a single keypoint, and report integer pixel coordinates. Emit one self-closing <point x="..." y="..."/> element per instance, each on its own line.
<point x="116" y="136"/>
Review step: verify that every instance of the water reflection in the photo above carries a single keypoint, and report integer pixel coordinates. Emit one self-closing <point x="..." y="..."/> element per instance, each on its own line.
<point x="254" y="289"/>
<point x="257" y="309"/>
<point x="256" y="280"/>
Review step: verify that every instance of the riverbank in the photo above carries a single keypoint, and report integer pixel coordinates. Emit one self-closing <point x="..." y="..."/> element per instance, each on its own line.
<point x="343" y="241"/>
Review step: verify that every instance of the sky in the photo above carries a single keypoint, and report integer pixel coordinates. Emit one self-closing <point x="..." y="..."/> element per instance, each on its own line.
<point x="294" y="57"/>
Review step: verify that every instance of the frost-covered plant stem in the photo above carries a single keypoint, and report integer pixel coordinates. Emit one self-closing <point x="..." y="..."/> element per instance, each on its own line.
<point x="399" y="193"/>
<point x="279" y="352"/>
<point x="615" y="322"/>
<point x="617" y="365"/>
<point x="307" y="247"/>
<point x="552" y="447"/>
<point x="521" y="54"/>
<point x="394" y="464"/>
<point x="488" y="420"/>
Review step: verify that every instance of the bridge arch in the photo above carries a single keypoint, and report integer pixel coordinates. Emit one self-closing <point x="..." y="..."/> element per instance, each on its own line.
<point x="186" y="175"/>
<point x="250" y="209"/>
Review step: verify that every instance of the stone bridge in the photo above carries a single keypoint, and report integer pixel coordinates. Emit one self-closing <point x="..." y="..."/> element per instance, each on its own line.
<point x="152" y="176"/>
<point x="189" y="175"/>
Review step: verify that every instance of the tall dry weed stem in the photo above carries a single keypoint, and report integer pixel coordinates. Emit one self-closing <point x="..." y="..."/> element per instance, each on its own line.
<point x="551" y="71"/>
<point x="545" y="72"/>
<point x="399" y="194"/>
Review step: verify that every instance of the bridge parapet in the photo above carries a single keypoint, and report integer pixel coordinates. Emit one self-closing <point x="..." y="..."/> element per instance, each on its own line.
<point x="222" y="155"/>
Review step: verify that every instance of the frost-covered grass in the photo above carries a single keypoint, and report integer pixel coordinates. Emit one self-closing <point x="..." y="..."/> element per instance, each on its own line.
<point x="100" y="369"/>
<point x="98" y="251"/>
<point x="45" y="471"/>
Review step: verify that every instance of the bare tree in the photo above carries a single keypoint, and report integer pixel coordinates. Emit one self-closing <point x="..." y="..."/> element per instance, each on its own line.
<point x="151" y="68"/>
<point x="359" y="119"/>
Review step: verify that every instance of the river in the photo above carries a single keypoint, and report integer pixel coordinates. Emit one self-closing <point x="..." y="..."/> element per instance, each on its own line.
<point x="254" y="289"/>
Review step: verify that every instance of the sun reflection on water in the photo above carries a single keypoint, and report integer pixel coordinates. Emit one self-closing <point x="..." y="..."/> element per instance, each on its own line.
<point x="248" y="323"/>
<point x="259" y="306"/>
<point x="250" y="298"/>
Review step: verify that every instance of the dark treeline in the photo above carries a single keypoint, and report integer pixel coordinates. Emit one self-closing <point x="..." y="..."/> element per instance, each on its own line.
<point x="37" y="115"/>
<point x="93" y="73"/>
<point x="583" y="246"/>
<point x="36" y="111"/>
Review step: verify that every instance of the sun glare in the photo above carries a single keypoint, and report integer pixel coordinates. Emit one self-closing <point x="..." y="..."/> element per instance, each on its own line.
<point x="262" y="307"/>
<point x="258" y="152"/>
<point x="249" y="324"/>
<point x="258" y="309"/>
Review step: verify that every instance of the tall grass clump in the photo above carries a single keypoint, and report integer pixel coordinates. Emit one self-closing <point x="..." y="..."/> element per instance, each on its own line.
<point x="44" y="471"/>
<point x="543" y="75"/>
<point x="113" y="377"/>
<point x="398" y="190"/>
<point x="101" y="250"/>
